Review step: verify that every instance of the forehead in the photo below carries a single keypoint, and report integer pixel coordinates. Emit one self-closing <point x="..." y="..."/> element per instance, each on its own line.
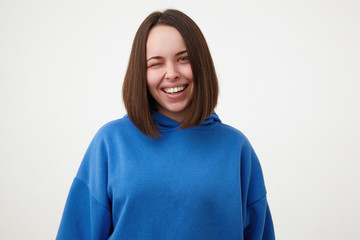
<point x="164" y="39"/>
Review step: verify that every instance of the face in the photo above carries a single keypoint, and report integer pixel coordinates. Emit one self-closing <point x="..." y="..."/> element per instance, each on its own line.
<point x="169" y="74"/>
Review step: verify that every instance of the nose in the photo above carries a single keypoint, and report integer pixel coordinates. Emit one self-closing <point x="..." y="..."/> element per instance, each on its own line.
<point x="172" y="73"/>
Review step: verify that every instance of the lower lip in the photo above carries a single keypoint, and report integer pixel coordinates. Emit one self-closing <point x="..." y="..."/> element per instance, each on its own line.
<point x="174" y="96"/>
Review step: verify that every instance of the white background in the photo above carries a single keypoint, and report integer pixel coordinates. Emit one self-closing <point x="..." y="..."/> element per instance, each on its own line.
<point x="289" y="73"/>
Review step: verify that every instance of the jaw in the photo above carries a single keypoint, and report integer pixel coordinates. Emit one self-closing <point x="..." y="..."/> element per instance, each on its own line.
<point x="175" y="105"/>
<point x="177" y="116"/>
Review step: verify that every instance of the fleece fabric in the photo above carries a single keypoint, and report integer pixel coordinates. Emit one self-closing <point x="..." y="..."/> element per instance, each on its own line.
<point x="203" y="182"/>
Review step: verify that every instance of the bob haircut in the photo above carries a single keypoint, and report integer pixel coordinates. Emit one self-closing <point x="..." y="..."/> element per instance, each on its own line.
<point x="137" y="99"/>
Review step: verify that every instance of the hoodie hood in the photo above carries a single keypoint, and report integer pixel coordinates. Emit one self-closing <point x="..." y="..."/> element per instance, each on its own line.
<point x="167" y="124"/>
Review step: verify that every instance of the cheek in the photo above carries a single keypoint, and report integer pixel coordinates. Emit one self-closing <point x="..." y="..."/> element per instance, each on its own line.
<point x="152" y="79"/>
<point x="187" y="73"/>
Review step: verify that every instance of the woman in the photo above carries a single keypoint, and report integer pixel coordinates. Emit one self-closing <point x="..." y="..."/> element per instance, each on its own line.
<point x="170" y="169"/>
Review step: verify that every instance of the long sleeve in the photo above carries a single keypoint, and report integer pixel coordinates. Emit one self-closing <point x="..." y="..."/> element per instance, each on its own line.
<point x="84" y="216"/>
<point x="87" y="213"/>
<point x="258" y="224"/>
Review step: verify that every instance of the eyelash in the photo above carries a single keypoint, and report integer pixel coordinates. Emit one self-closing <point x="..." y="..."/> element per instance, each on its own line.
<point x="186" y="59"/>
<point x="154" y="65"/>
<point x="182" y="59"/>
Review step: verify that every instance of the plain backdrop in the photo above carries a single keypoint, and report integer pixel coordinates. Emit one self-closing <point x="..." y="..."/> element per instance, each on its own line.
<point x="289" y="73"/>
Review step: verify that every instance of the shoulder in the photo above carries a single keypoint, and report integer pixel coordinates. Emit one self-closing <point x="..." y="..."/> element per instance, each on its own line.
<point x="116" y="128"/>
<point x="232" y="134"/>
<point x="114" y="125"/>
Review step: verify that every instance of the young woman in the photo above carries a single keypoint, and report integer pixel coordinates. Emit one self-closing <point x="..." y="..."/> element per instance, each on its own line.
<point x="170" y="169"/>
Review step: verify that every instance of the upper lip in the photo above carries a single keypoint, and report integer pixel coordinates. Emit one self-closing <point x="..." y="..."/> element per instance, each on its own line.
<point x="174" y="86"/>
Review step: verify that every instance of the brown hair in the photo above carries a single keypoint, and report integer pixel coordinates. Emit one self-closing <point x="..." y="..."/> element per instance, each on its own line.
<point x="138" y="101"/>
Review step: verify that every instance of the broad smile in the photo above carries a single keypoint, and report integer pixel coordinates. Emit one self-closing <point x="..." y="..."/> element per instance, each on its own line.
<point x="174" y="90"/>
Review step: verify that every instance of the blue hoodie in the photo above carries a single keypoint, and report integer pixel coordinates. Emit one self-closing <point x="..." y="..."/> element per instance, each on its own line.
<point x="203" y="182"/>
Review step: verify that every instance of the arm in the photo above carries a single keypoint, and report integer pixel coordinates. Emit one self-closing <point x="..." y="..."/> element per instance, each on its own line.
<point x="87" y="213"/>
<point x="258" y="223"/>
<point x="84" y="216"/>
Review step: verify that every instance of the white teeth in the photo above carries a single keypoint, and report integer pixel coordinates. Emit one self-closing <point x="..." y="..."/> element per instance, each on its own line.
<point x="174" y="90"/>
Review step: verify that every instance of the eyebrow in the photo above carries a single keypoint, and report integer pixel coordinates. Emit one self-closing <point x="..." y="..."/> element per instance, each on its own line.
<point x="158" y="57"/>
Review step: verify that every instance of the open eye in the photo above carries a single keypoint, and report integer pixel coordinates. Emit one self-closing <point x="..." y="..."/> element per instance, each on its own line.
<point x="184" y="59"/>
